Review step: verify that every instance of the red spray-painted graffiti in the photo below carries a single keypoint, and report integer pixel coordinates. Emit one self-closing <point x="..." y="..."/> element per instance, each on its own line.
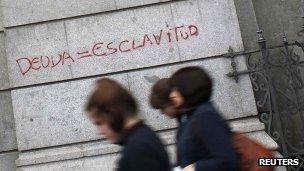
<point x="105" y="49"/>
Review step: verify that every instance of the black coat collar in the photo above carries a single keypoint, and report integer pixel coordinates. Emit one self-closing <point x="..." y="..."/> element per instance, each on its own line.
<point x="128" y="132"/>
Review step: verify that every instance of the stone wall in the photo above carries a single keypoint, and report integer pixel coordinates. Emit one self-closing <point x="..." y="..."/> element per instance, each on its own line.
<point x="51" y="52"/>
<point x="282" y="17"/>
<point x="8" y="142"/>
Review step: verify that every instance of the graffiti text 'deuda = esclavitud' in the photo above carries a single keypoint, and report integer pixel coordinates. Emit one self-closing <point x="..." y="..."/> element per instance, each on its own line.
<point x="106" y="49"/>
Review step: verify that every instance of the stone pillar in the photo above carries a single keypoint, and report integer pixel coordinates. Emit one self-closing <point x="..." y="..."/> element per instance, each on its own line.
<point x="282" y="17"/>
<point x="8" y="143"/>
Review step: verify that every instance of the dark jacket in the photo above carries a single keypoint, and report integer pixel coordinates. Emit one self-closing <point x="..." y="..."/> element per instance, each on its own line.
<point x="204" y="140"/>
<point x="143" y="151"/>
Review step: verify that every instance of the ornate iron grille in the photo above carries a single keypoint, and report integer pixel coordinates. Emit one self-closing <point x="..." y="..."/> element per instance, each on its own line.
<point x="277" y="76"/>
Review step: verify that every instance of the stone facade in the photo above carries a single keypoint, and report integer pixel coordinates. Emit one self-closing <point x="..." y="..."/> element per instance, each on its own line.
<point x="51" y="53"/>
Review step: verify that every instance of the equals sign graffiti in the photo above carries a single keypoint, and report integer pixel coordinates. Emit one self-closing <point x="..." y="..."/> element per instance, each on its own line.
<point x="85" y="54"/>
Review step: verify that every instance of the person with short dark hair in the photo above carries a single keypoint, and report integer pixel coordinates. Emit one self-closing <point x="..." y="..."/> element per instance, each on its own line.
<point x="203" y="137"/>
<point x="159" y="98"/>
<point x="114" y="111"/>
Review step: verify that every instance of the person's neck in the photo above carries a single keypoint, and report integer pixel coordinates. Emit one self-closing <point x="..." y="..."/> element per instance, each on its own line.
<point x="130" y="122"/>
<point x="182" y="111"/>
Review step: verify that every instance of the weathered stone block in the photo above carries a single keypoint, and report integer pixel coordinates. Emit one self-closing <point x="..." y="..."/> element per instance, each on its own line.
<point x="75" y="151"/>
<point x="69" y="152"/>
<point x="121" y="41"/>
<point x="7" y="161"/>
<point x="26" y="12"/>
<point x="53" y="114"/>
<point x="84" y="162"/>
<point x="101" y="162"/>
<point x="1" y="19"/>
<point x="4" y="80"/>
<point x="107" y="163"/>
<point x="217" y="24"/>
<point x="7" y="128"/>
<point x="263" y="138"/>
<point x="24" y="47"/>
<point x="103" y="148"/>
<point x="141" y="83"/>
<point x="19" y="12"/>
<point x="247" y="125"/>
<point x="133" y="3"/>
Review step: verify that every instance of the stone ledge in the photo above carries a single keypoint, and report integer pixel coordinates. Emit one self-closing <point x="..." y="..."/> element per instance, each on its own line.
<point x="263" y="138"/>
<point x="66" y="153"/>
<point x="7" y="161"/>
<point x="251" y="126"/>
<point x="279" y="168"/>
<point x="105" y="162"/>
<point x="247" y="125"/>
<point x="101" y="147"/>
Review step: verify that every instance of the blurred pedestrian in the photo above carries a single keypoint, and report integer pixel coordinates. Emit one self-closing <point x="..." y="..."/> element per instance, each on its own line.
<point x="203" y="138"/>
<point x="114" y="111"/>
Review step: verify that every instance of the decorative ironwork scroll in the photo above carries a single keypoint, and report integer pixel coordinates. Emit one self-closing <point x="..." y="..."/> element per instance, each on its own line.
<point x="277" y="76"/>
